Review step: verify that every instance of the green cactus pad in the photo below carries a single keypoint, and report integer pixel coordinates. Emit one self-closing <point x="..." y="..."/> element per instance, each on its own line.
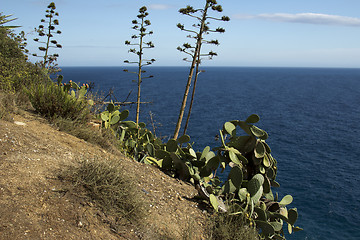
<point x="171" y="145"/>
<point x="111" y="107"/>
<point x="104" y="116"/>
<point x="292" y="216"/>
<point x="254" y="118"/>
<point x="236" y="176"/>
<point x="266" y="185"/>
<point x="259" y="150"/>
<point x="286" y="200"/>
<point x="192" y="153"/>
<point x="266" y="228"/>
<point x="261" y="215"/>
<point x="266" y="161"/>
<point x="230" y="128"/>
<point x="277" y="226"/>
<point x="229" y="187"/>
<point x="184" y="139"/>
<point x="114" y="119"/>
<point x="255" y="187"/>
<point x="161" y="154"/>
<point x="242" y="194"/>
<point x="257" y="132"/>
<point x="124" y="115"/>
<point x="150" y="149"/>
<point x="214" y="202"/>
<point x="213" y="163"/>
<point x="204" y="153"/>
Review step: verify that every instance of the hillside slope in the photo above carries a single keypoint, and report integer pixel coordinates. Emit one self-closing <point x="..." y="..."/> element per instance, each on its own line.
<point x="36" y="204"/>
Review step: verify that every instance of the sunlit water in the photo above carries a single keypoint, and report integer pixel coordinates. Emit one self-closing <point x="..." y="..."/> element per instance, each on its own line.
<point x="312" y="117"/>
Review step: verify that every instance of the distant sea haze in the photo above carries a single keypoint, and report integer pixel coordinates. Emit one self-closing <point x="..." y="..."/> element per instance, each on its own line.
<point x="312" y="116"/>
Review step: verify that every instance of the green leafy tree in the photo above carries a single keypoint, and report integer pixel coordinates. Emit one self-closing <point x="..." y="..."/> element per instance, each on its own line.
<point x="200" y="29"/>
<point x="140" y="26"/>
<point x="47" y="33"/>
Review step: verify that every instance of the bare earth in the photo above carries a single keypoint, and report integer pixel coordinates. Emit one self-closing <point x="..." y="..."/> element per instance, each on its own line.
<point x="35" y="204"/>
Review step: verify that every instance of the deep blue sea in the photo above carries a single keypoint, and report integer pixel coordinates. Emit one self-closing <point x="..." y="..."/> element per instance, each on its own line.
<point x="312" y="116"/>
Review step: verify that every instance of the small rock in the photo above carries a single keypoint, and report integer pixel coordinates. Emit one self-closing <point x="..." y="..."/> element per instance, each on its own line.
<point x="20" y="123"/>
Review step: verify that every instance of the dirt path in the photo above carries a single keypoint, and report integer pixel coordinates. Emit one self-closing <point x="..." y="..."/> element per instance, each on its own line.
<point x="35" y="204"/>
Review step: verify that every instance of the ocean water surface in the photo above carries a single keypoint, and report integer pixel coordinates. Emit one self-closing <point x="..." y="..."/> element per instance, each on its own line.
<point x="312" y="116"/>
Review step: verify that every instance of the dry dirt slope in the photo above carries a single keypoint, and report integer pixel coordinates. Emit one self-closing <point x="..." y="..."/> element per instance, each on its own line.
<point x="35" y="204"/>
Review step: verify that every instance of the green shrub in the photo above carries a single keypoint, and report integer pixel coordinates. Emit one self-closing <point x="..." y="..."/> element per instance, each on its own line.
<point x="51" y="101"/>
<point x="15" y="71"/>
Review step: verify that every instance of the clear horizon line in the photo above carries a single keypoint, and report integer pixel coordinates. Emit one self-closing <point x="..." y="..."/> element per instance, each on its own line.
<point x="214" y="66"/>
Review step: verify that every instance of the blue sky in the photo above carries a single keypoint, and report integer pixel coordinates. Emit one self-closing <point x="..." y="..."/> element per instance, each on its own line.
<point x="281" y="33"/>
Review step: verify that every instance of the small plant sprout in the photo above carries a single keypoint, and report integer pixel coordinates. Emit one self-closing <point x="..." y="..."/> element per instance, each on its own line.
<point x="199" y="30"/>
<point x="139" y="44"/>
<point x="47" y="33"/>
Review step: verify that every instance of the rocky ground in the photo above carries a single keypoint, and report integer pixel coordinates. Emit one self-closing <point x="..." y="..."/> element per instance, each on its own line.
<point x="36" y="204"/>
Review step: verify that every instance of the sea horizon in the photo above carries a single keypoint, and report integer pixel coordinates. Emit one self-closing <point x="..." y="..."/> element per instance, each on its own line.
<point x="134" y="66"/>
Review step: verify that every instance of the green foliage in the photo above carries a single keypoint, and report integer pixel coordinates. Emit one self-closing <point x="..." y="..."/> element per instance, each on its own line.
<point x="247" y="192"/>
<point x="52" y="101"/>
<point x="47" y="33"/>
<point x="112" y="116"/>
<point x="141" y="28"/>
<point x="4" y="20"/>
<point x="15" y="71"/>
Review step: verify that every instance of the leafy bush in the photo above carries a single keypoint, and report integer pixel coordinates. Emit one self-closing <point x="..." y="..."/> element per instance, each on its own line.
<point x="52" y="101"/>
<point x="15" y="71"/>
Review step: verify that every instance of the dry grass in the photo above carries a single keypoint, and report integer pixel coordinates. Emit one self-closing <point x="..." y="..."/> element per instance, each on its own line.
<point x="108" y="186"/>
<point x="105" y="139"/>
<point x="227" y="227"/>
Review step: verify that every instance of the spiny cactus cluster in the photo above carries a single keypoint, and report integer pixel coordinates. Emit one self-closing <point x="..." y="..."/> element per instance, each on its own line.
<point x="247" y="190"/>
